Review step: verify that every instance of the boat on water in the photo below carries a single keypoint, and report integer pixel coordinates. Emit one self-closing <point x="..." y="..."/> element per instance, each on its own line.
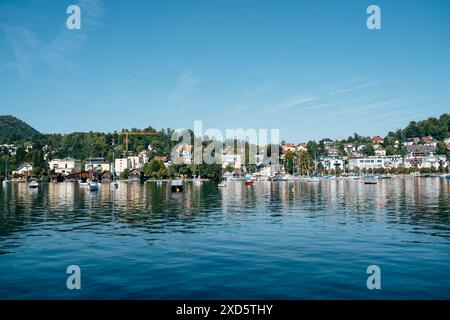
<point x="198" y="181"/>
<point x="248" y="181"/>
<point x="447" y="177"/>
<point x="33" y="184"/>
<point x="370" y="180"/>
<point x="222" y="183"/>
<point x="114" y="185"/>
<point x="6" y="181"/>
<point x="177" y="186"/>
<point x="93" y="186"/>
<point x="83" y="184"/>
<point x="313" y="179"/>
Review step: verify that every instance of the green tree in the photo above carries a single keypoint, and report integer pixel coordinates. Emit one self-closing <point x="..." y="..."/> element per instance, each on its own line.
<point x="305" y="163"/>
<point x="124" y="174"/>
<point x="441" y="148"/>
<point x="152" y="168"/>
<point x="390" y="150"/>
<point x="369" y="150"/>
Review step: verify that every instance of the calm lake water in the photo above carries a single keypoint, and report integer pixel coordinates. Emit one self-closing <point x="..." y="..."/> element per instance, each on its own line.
<point x="275" y="240"/>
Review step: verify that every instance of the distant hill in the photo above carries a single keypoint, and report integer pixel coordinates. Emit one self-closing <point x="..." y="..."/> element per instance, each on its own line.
<point x="13" y="129"/>
<point x="439" y="128"/>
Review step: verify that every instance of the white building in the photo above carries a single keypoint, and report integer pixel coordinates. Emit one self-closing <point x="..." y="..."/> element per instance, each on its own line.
<point x="349" y="148"/>
<point x="97" y="164"/>
<point x="143" y="157"/>
<point x="433" y="161"/>
<point x="380" y="152"/>
<point x="65" y="166"/>
<point x="25" y="169"/>
<point x="185" y="153"/>
<point x="369" y="163"/>
<point x="12" y="149"/>
<point x="231" y="159"/>
<point x="120" y="165"/>
<point x="332" y="163"/>
<point x="395" y="161"/>
<point x="134" y="162"/>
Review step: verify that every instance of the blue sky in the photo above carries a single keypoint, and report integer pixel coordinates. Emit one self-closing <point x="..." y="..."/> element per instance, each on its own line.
<point x="310" y="68"/>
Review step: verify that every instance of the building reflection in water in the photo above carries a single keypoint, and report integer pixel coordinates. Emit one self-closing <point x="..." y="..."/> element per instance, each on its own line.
<point x="155" y="208"/>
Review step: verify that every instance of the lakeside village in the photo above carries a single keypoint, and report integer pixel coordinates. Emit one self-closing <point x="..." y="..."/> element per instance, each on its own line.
<point x="313" y="161"/>
<point x="92" y="158"/>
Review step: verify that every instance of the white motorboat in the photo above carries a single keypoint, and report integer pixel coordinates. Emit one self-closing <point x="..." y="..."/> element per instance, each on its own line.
<point x="93" y="186"/>
<point x="6" y="181"/>
<point x="33" y="184"/>
<point x="197" y="181"/>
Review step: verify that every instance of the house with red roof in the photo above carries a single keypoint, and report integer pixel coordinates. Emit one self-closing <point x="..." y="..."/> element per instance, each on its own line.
<point x="377" y="139"/>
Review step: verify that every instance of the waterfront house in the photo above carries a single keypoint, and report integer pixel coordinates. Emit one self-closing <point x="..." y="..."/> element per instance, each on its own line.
<point x="372" y="162"/>
<point x="106" y="176"/>
<point x="332" y="163"/>
<point x="23" y="172"/>
<point x="97" y="164"/>
<point x="433" y="162"/>
<point x="65" y="166"/>
<point x="135" y="175"/>
<point x="395" y="161"/>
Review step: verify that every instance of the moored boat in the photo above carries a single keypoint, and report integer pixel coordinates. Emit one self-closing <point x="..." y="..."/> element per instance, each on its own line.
<point x="370" y="180"/>
<point x="222" y="183"/>
<point x="198" y="181"/>
<point x="6" y="181"/>
<point x="93" y="186"/>
<point x="248" y="181"/>
<point x="177" y="186"/>
<point x="313" y="179"/>
<point x="33" y="184"/>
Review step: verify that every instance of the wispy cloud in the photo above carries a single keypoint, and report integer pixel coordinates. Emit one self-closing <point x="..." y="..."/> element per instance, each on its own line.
<point x="29" y="49"/>
<point x="137" y="77"/>
<point x="186" y="83"/>
<point x="379" y="109"/>
<point x="352" y="88"/>
<point x="294" y="101"/>
<point x="319" y="106"/>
